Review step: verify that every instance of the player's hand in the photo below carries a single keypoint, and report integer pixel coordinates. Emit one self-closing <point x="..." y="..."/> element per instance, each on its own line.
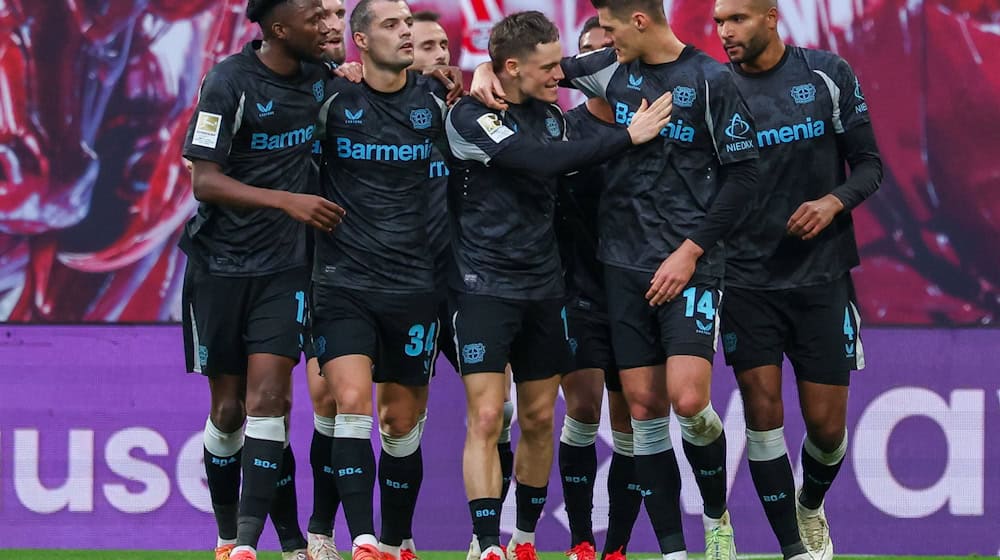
<point x="814" y="216"/>
<point x="673" y="274"/>
<point x="314" y="211"/>
<point x="350" y="71"/>
<point x="451" y="77"/>
<point x="486" y="88"/>
<point x="649" y="120"/>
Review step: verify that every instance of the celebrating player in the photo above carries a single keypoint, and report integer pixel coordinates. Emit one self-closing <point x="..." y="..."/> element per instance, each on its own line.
<point x="789" y="289"/>
<point x="245" y="286"/>
<point x="511" y="295"/>
<point x="375" y="316"/>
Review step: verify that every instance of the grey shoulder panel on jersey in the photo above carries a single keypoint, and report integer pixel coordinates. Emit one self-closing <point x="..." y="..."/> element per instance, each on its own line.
<point x="838" y="124"/>
<point x="324" y="112"/>
<point x="462" y="148"/>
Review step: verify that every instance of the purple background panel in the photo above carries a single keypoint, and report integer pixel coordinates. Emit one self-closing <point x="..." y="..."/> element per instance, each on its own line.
<point x="112" y="406"/>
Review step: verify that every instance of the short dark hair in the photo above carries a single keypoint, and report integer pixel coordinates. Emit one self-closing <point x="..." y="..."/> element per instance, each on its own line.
<point x="624" y="8"/>
<point x="519" y="34"/>
<point x="362" y="16"/>
<point x="258" y="10"/>
<point x="427" y="16"/>
<point x="592" y="23"/>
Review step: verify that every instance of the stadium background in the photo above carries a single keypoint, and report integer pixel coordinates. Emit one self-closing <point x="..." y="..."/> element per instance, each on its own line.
<point x="95" y="417"/>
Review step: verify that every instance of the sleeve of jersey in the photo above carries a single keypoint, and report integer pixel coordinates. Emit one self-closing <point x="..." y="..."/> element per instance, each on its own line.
<point x="215" y="120"/>
<point x="590" y="72"/>
<point x="729" y="120"/>
<point x="859" y="148"/>
<point x="481" y="136"/>
<point x="739" y="183"/>
<point x="849" y="106"/>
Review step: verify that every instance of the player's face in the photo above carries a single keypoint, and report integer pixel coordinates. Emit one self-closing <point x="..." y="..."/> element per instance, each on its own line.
<point x="431" y="45"/>
<point x="623" y="34"/>
<point x="333" y="17"/>
<point x="743" y="29"/>
<point x="388" y="41"/>
<point x="595" y="39"/>
<point x="304" y="30"/>
<point x="539" y="73"/>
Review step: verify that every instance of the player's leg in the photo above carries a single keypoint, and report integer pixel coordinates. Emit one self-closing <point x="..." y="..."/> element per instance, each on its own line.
<point x="505" y="452"/>
<point x="824" y="409"/>
<point x="285" y="507"/>
<point x="539" y="355"/>
<point x="408" y="342"/>
<point x="754" y="331"/>
<point x="400" y="467"/>
<point x="583" y="391"/>
<point x="214" y="347"/>
<point x="268" y="385"/>
<point x="624" y="496"/>
<point x="347" y="324"/>
<point x="321" y="544"/>
<point x="485" y="328"/>
<point x="223" y="437"/>
<point x="639" y="354"/>
<point x="826" y="347"/>
<point x="689" y="327"/>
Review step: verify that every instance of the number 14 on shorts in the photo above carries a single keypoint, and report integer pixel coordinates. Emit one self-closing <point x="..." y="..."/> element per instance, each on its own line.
<point x="705" y="306"/>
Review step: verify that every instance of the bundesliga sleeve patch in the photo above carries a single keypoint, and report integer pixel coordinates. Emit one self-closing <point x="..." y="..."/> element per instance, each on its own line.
<point x="206" y="130"/>
<point x="491" y="125"/>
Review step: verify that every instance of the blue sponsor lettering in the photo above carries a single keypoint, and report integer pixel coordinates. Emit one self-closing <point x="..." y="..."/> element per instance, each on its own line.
<point x="439" y="169"/>
<point x="382" y="152"/>
<point x="793" y="133"/>
<point x="290" y="139"/>
<point x="675" y="131"/>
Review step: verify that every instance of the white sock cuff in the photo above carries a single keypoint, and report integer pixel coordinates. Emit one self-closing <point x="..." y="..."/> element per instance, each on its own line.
<point x="221" y="444"/>
<point x="767" y="445"/>
<point x="650" y="437"/>
<point x="421" y="421"/>
<point x="621" y="443"/>
<point x="577" y="433"/>
<point x="702" y="428"/>
<point x="353" y="426"/>
<point x="508" y="416"/>
<point x="324" y="425"/>
<point x="402" y="446"/>
<point x="268" y="428"/>
<point x="831" y="458"/>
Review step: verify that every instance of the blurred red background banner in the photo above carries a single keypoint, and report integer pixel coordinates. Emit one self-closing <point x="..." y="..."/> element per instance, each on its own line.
<point x="95" y="97"/>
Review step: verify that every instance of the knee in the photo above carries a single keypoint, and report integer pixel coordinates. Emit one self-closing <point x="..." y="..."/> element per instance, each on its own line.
<point x="485" y="422"/>
<point x="269" y="402"/>
<point x="588" y="412"/>
<point x="536" y="423"/>
<point x="397" y="423"/>
<point x="828" y="438"/>
<point x="763" y="411"/>
<point x="228" y="416"/>
<point x="644" y="405"/>
<point x="354" y="400"/>
<point x="324" y="404"/>
<point x="690" y="404"/>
